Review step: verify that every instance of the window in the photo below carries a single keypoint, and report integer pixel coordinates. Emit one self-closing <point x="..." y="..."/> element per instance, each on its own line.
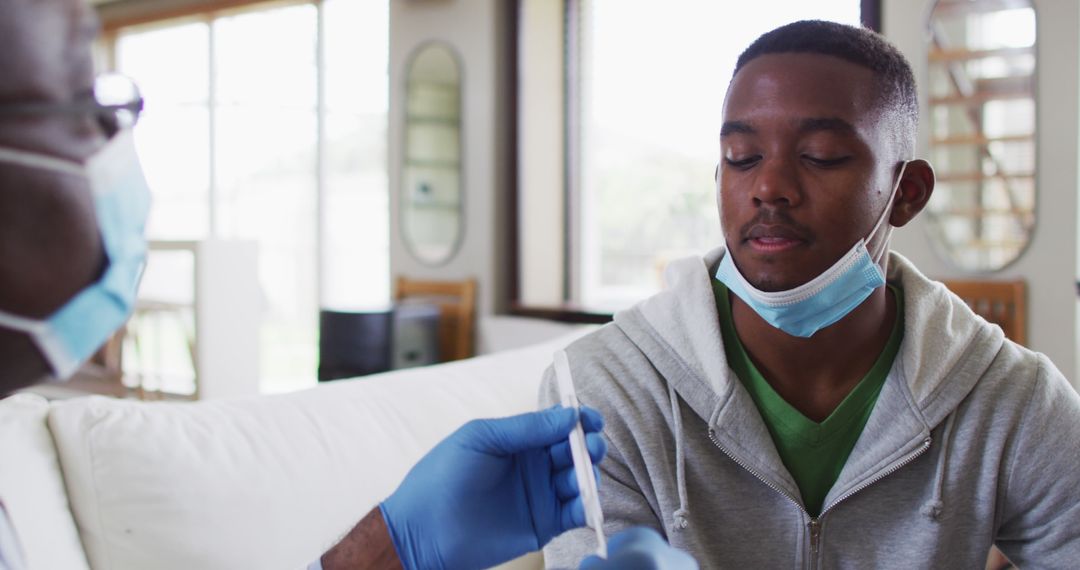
<point x="269" y="123"/>
<point x="652" y="83"/>
<point x="982" y="120"/>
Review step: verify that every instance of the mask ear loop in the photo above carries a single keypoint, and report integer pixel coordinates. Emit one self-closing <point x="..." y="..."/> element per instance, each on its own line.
<point x="881" y="246"/>
<point x="21" y="324"/>
<point x="41" y="161"/>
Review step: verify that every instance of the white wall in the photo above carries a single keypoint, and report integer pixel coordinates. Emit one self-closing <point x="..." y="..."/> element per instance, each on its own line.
<point x="541" y="153"/>
<point x="1050" y="263"/>
<point x="474" y="29"/>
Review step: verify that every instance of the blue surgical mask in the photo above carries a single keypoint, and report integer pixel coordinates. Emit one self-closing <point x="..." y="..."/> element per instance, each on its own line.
<point x="72" y="334"/>
<point x="827" y="298"/>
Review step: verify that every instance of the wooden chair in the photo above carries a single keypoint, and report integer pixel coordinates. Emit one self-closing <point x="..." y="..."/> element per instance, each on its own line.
<point x="457" y="307"/>
<point x="1003" y="303"/>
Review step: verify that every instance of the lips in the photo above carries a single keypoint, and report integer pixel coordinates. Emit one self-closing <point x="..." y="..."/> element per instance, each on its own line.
<point x="765" y="231"/>
<point x="773" y="238"/>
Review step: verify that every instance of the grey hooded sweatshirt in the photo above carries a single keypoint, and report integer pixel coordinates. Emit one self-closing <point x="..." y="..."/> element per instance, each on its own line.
<point x="974" y="440"/>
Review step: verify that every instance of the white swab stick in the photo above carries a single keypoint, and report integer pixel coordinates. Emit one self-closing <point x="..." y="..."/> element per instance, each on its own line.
<point x="583" y="467"/>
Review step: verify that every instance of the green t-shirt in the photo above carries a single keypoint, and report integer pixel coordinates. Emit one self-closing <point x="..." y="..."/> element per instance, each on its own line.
<point x="814" y="453"/>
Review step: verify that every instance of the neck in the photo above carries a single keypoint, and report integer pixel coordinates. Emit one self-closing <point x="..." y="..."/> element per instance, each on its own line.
<point x="815" y="374"/>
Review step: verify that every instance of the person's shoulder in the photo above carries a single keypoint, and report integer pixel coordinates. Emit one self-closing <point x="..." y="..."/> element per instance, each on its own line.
<point x="605" y="356"/>
<point x="1020" y="368"/>
<point x="611" y="373"/>
<point x="1002" y="373"/>
<point x="592" y="357"/>
<point x="1054" y="387"/>
<point x="603" y="346"/>
<point x="1020" y="383"/>
<point x="606" y="342"/>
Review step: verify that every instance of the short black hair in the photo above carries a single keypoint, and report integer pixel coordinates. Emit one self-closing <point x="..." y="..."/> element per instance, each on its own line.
<point x="861" y="46"/>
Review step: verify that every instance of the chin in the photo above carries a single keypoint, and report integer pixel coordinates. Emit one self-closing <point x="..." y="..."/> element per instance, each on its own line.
<point x="766" y="275"/>
<point x="771" y="283"/>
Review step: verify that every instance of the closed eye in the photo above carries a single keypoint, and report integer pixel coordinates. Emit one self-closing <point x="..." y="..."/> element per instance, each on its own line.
<point x="826" y="162"/>
<point x="742" y="163"/>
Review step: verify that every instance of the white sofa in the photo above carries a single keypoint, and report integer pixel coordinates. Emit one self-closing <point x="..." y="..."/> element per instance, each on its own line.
<point x="262" y="483"/>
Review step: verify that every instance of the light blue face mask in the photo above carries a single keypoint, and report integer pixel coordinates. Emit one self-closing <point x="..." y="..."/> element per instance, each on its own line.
<point x="69" y="336"/>
<point x="827" y="298"/>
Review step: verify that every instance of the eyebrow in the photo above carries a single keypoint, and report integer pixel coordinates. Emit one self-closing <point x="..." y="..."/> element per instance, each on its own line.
<point x="733" y="127"/>
<point x="826" y="124"/>
<point x="832" y="124"/>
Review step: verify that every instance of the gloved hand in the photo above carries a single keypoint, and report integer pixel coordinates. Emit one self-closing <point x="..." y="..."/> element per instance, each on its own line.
<point x="640" y="548"/>
<point x="492" y="491"/>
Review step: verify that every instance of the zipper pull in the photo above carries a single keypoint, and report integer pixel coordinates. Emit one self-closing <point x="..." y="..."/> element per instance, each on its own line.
<point x="815" y="536"/>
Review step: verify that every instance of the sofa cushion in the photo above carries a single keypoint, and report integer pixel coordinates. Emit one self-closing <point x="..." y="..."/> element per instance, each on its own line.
<point x="268" y="482"/>
<point x="32" y="486"/>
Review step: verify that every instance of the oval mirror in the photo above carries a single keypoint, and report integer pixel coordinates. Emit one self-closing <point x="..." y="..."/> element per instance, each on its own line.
<point x="982" y="63"/>
<point x="431" y="201"/>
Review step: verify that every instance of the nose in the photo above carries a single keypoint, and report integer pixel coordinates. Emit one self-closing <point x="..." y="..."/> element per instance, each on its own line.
<point x="776" y="183"/>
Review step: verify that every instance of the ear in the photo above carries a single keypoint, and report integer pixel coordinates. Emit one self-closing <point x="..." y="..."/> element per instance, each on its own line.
<point x="916" y="187"/>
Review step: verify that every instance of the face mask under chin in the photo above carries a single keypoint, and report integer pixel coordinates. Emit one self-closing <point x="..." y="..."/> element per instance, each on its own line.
<point x="802" y="311"/>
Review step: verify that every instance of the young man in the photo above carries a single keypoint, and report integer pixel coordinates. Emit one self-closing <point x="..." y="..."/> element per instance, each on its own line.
<point x="73" y="203"/>
<point x="802" y="397"/>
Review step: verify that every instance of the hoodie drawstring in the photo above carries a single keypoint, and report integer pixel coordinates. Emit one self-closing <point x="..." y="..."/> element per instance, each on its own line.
<point x="682" y="514"/>
<point x="933" y="508"/>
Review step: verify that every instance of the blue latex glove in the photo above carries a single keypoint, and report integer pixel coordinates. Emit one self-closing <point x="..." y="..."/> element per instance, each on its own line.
<point x="492" y="491"/>
<point x="640" y="548"/>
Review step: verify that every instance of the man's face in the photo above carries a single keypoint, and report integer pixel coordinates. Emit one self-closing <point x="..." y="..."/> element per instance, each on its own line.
<point x="806" y="166"/>
<point x="49" y="243"/>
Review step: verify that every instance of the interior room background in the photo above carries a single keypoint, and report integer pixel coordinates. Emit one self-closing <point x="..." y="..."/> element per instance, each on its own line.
<point x="589" y="139"/>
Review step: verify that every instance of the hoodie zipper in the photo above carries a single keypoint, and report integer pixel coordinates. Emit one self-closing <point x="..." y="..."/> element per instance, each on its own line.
<point x="911" y="457"/>
<point x="814" y="526"/>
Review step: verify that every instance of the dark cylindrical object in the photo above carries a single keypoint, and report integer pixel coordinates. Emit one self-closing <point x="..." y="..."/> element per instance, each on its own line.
<point x="354" y="344"/>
